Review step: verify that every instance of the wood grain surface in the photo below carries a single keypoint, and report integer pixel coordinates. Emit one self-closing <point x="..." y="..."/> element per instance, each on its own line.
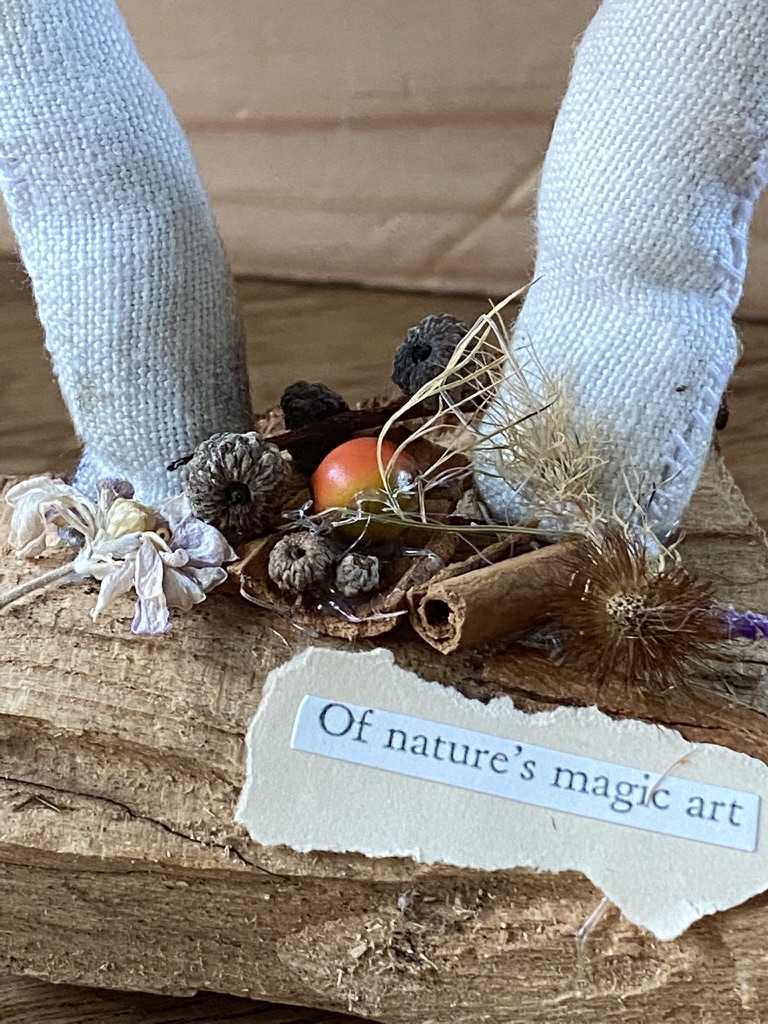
<point x="121" y="866"/>
<point x="346" y="337"/>
<point x="29" y="1001"/>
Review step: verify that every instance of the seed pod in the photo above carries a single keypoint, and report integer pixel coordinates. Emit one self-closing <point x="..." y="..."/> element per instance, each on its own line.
<point x="357" y="574"/>
<point x="301" y="561"/>
<point x="425" y="352"/>
<point x="237" y="483"/>
<point x="303" y="404"/>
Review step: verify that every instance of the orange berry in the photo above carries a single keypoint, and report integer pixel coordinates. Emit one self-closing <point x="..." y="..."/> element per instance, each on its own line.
<point x="349" y="477"/>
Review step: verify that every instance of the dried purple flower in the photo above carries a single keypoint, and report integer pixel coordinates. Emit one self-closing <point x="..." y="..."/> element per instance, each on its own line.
<point x="745" y="625"/>
<point x="173" y="570"/>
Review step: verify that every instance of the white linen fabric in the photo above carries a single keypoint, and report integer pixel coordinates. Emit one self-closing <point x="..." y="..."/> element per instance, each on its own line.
<point x="657" y="157"/>
<point x="128" y="270"/>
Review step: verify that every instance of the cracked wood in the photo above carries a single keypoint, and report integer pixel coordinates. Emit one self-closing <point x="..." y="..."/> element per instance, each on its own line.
<point x="122" y="759"/>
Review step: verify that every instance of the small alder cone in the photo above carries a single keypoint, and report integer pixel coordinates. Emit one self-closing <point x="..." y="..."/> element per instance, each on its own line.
<point x="357" y="574"/>
<point x="301" y="561"/>
<point x="237" y="482"/>
<point x="304" y="402"/>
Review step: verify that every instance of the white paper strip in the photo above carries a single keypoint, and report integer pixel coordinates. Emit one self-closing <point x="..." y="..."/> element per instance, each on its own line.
<point x="530" y="774"/>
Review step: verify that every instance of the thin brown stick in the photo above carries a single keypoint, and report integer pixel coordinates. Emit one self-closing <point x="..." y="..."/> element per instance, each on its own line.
<point x="348" y="423"/>
<point x="352" y="420"/>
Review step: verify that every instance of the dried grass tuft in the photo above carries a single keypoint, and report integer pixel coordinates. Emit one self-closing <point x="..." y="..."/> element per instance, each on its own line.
<point x="474" y="378"/>
<point x="516" y="421"/>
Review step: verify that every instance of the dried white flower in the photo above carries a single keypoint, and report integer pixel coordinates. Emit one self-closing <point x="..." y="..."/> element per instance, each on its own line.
<point x="169" y="557"/>
<point x="34" y="502"/>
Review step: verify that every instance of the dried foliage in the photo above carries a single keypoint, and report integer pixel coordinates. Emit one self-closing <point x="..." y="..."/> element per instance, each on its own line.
<point x="625" y="608"/>
<point x="499" y="408"/>
<point x="529" y="440"/>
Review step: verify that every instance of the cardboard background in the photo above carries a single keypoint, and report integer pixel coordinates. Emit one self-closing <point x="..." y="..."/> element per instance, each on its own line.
<point x="392" y="143"/>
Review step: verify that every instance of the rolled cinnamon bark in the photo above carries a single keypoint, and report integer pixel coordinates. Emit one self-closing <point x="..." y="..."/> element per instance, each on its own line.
<point x="486" y="603"/>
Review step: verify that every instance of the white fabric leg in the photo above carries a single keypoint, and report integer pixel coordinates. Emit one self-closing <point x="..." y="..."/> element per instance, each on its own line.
<point x="127" y="266"/>
<point x="656" y="159"/>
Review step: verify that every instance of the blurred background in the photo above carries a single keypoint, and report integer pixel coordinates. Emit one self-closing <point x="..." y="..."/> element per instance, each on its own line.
<point x="395" y="146"/>
<point x="392" y="143"/>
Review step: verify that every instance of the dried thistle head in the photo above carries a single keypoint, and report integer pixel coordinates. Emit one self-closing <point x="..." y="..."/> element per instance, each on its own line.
<point x="628" y="615"/>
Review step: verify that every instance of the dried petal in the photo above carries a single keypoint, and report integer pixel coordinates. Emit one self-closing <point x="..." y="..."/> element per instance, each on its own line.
<point x="181" y="589"/>
<point x="175" y="510"/>
<point x="151" y="608"/>
<point x="116" y="583"/>
<point x="31" y="500"/>
<point x="101" y="556"/>
<point x="204" y="544"/>
<point x="207" y="577"/>
<point x="151" y="617"/>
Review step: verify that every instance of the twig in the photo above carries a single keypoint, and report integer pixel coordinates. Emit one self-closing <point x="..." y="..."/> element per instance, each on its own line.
<point x="346" y="423"/>
<point x="586" y="928"/>
<point x="36" y="583"/>
<point x="351" y="420"/>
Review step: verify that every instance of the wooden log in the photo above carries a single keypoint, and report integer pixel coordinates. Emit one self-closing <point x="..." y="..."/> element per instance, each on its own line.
<point x="28" y="1001"/>
<point x="120" y="864"/>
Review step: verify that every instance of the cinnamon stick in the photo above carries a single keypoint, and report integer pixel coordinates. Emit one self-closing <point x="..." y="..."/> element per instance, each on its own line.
<point x="487" y="603"/>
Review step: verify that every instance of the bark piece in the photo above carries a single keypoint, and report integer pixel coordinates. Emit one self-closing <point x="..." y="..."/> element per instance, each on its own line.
<point x="329" y="612"/>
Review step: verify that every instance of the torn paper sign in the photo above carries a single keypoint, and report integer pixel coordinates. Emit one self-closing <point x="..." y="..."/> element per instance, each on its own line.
<point x="348" y="752"/>
<point x="529" y="774"/>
